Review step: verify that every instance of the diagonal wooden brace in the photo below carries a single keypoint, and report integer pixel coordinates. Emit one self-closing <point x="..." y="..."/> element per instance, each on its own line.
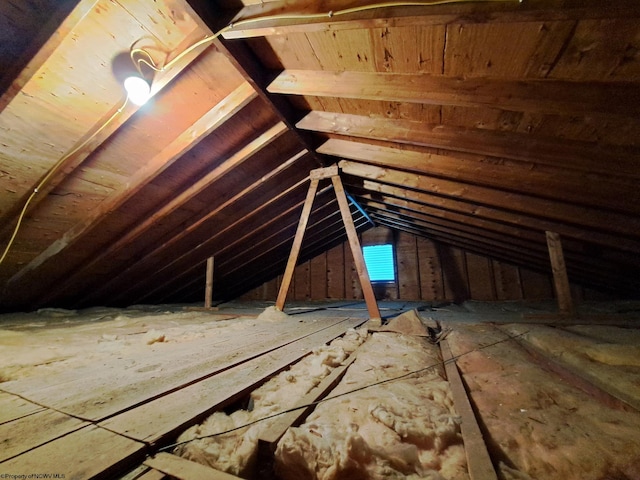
<point x="363" y="275"/>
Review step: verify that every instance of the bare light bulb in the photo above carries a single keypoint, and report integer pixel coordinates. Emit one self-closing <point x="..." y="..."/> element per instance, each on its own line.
<point x="138" y="89"/>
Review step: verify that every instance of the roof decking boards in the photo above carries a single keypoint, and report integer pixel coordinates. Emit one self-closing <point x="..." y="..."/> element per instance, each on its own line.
<point x="479" y="125"/>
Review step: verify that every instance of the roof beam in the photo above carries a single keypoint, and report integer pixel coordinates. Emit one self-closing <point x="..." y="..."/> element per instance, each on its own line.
<point x="555" y="152"/>
<point x="235" y="219"/>
<point x="96" y="134"/>
<point x="188" y="139"/>
<point x="504" y="199"/>
<point x="572" y="187"/>
<point x="409" y="203"/>
<point x="579" y="261"/>
<point x="310" y="250"/>
<point x="536" y="96"/>
<point x="525" y="209"/>
<point x="269" y="251"/>
<point x="248" y="23"/>
<point x="139" y="230"/>
<point x="492" y="252"/>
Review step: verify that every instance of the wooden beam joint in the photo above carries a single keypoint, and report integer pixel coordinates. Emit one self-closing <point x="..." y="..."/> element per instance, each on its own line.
<point x="327" y="172"/>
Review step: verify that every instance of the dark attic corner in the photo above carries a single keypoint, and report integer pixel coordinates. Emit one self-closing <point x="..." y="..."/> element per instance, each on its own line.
<point x="319" y="240"/>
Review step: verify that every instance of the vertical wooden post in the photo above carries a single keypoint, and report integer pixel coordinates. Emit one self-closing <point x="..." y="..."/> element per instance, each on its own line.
<point x="297" y="243"/>
<point x="560" y="278"/>
<point x="208" y="290"/>
<point x="356" y="250"/>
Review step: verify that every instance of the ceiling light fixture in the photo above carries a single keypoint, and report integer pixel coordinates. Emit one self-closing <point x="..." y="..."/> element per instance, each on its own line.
<point x="138" y="89"/>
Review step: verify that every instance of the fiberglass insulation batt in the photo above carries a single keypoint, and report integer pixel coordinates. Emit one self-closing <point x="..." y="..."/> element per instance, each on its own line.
<point x="405" y="428"/>
<point x="236" y="452"/>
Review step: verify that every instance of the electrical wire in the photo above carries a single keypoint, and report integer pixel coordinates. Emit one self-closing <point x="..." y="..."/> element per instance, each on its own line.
<point x="326" y="399"/>
<point x="151" y="64"/>
<point x="50" y="174"/>
<point x="297" y="16"/>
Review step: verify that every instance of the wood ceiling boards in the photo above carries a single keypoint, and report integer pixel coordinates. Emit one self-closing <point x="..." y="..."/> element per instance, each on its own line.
<point x="478" y="124"/>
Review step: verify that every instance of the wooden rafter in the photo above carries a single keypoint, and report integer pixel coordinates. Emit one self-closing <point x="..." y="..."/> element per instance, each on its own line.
<point x="527" y="205"/>
<point x="554" y="152"/>
<point x="244" y="241"/>
<point x="237" y="215"/>
<point x="310" y="250"/>
<point x="531" y="252"/>
<point x="325" y="231"/>
<point x="536" y="96"/>
<point x="389" y="182"/>
<point x="188" y="139"/>
<point x="531" y="240"/>
<point x="103" y="128"/>
<point x="558" y="185"/>
<point x="550" y="10"/>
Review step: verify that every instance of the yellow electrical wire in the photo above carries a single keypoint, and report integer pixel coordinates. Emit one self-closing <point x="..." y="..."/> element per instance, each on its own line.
<point x="151" y="64"/>
<point x="298" y="16"/>
<point x="50" y="174"/>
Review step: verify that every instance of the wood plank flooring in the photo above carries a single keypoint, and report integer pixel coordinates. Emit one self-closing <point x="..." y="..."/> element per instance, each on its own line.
<point x="98" y="419"/>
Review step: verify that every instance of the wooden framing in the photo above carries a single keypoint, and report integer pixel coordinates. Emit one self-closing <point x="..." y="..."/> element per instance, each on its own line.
<point x="571" y="155"/>
<point x="367" y="290"/>
<point x="183" y="469"/>
<point x="220" y="113"/>
<point x="297" y="244"/>
<point x="478" y="459"/>
<point x="563" y="185"/>
<point x="549" y="96"/>
<point x="415" y="15"/>
<point x="208" y="291"/>
<point x="560" y="278"/>
<point x="585" y="223"/>
<point x="356" y="251"/>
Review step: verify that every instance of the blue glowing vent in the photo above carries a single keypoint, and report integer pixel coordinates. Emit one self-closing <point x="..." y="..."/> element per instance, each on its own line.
<point x="379" y="260"/>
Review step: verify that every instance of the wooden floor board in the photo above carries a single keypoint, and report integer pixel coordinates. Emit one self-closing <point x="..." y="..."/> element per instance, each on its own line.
<point x="34" y="430"/>
<point x="95" y="397"/>
<point x="90" y="452"/>
<point x="478" y="459"/>
<point x="169" y="414"/>
<point x="13" y="407"/>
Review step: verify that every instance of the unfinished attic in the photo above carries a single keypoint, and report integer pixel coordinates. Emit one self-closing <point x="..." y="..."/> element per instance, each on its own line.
<point x="326" y="240"/>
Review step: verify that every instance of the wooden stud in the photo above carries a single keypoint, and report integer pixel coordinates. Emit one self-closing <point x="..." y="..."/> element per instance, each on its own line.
<point x="356" y="250"/>
<point x="560" y="278"/>
<point x="208" y="291"/>
<point x="478" y="459"/>
<point x="297" y="244"/>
